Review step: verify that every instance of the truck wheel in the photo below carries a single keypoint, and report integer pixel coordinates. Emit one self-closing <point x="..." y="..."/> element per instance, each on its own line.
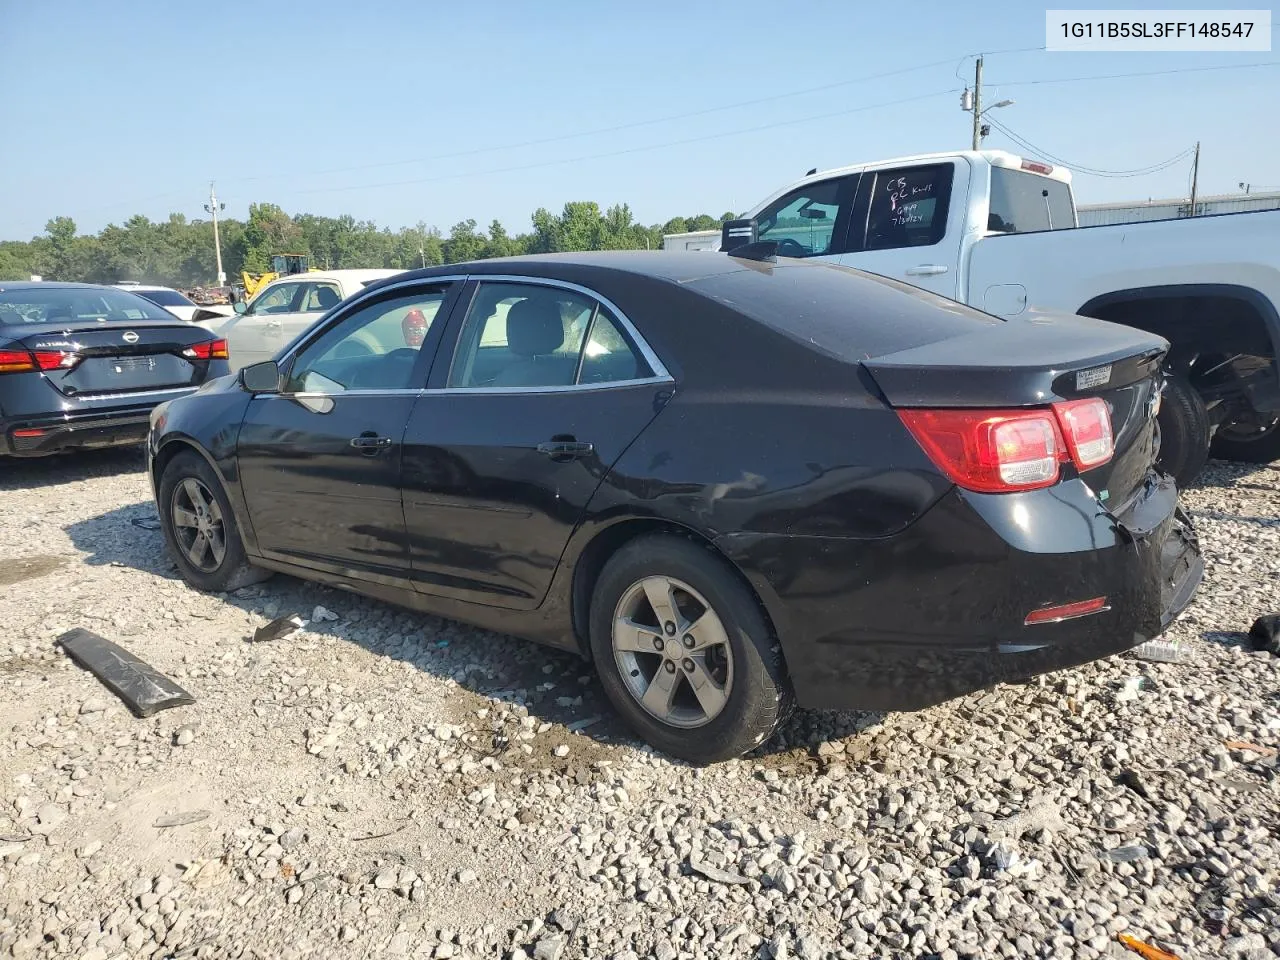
<point x="1184" y="431"/>
<point x="1247" y="442"/>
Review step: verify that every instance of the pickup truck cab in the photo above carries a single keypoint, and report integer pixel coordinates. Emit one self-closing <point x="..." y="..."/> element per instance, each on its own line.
<point x="999" y="233"/>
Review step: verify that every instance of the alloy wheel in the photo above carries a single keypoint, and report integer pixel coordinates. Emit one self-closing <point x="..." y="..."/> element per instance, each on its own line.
<point x="198" y="525"/>
<point x="672" y="652"/>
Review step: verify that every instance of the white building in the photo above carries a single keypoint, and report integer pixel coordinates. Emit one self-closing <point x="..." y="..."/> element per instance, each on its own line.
<point x="1101" y="214"/>
<point x="695" y="240"/>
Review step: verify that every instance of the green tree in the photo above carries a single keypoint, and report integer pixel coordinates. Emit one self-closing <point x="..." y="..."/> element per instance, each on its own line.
<point x="463" y="243"/>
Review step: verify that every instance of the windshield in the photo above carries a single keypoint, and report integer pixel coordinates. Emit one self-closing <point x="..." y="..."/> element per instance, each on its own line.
<point x="165" y="298"/>
<point x="71" y="304"/>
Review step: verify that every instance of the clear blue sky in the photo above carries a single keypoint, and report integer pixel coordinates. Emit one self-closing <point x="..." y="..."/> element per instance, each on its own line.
<point x="113" y="109"/>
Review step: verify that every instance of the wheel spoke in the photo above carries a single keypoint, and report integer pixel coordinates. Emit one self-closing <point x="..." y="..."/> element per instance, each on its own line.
<point x="661" y="595"/>
<point x="183" y="517"/>
<point x="707" y="631"/>
<point x="632" y="637"/>
<point x="194" y="493"/>
<point x="196" y="552"/>
<point x="662" y="691"/>
<point x="215" y="512"/>
<point x="217" y="543"/>
<point x="711" y="696"/>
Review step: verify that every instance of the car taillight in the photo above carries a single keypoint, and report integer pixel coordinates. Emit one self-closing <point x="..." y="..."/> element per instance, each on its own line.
<point x="997" y="451"/>
<point x="20" y="361"/>
<point x="16" y="361"/>
<point x="1086" y="424"/>
<point x="210" y="350"/>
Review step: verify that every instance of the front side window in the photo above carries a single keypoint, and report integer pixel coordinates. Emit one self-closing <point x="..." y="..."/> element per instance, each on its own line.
<point x="803" y="221"/>
<point x="374" y="348"/>
<point x="530" y="335"/>
<point x="909" y="207"/>
<point x="276" y="300"/>
<point x="321" y="297"/>
<point x="1026" y="202"/>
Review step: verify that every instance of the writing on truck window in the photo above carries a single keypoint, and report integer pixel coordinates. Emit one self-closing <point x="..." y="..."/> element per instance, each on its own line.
<point x="909" y="207"/>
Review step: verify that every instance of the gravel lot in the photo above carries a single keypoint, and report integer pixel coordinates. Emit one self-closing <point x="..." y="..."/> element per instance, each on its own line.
<point x="389" y="784"/>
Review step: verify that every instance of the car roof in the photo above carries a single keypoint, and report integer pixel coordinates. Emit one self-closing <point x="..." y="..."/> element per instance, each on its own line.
<point x="142" y="286"/>
<point x="676" y="266"/>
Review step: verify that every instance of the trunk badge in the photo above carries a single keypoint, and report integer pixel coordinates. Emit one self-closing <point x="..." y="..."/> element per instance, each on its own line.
<point x="130" y="337"/>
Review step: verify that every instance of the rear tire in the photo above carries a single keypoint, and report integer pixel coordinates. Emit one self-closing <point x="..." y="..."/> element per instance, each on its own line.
<point x="200" y="528"/>
<point x="721" y="661"/>
<point x="1233" y="443"/>
<point x="1184" y="431"/>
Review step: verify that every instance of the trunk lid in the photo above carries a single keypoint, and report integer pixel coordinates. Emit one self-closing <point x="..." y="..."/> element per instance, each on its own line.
<point x="1036" y="361"/>
<point x="117" y="357"/>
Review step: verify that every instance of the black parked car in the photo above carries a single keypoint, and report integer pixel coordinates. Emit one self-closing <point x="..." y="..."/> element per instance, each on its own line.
<point x="83" y="366"/>
<point x="733" y="483"/>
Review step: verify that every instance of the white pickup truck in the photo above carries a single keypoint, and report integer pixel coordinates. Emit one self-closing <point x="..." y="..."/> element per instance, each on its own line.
<point x="999" y="232"/>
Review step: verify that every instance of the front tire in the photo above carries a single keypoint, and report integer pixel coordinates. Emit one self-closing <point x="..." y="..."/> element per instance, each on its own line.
<point x="684" y="651"/>
<point x="1247" y="445"/>
<point x="200" y="528"/>
<point x="1184" y="431"/>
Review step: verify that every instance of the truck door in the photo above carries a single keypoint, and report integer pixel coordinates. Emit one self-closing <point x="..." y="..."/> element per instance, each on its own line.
<point x="907" y="223"/>
<point x="811" y="221"/>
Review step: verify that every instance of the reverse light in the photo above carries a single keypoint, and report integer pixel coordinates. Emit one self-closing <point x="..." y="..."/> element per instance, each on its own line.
<point x="1066" y="611"/>
<point x="999" y="451"/>
<point x="209" y="350"/>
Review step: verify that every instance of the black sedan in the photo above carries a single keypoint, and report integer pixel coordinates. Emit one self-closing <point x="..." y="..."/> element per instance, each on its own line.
<point x="735" y="484"/>
<point x="83" y="366"/>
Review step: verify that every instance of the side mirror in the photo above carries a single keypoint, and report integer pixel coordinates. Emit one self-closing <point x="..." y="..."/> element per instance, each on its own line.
<point x="261" y="377"/>
<point x="738" y="233"/>
<point x="239" y="306"/>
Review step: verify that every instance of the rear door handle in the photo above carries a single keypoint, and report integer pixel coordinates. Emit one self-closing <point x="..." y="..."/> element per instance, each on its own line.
<point x="369" y="443"/>
<point x="926" y="270"/>
<point x="566" y="449"/>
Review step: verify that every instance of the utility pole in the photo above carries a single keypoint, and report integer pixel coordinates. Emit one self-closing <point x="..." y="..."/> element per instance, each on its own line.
<point x="1195" y="177"/>
<point x="213" y="206"/>
<point x="977" y="104"/>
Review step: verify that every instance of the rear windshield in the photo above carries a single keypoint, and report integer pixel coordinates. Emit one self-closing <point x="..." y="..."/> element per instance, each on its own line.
<point x="165" y="298"/>
<point x="1027" y="202"/>
<point x="847" y="313"/>
<point x="70" y="304"/>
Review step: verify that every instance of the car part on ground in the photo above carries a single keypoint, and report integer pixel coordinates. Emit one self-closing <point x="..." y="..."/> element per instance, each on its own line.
<point x="910" y="499"/>
<point x="144" y="690"/>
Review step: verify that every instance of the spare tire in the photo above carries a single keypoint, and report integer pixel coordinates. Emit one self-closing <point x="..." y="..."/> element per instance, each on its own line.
<point x="1184" y="431"/>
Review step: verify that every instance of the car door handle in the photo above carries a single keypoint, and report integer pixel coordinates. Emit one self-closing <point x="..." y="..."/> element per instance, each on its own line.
<point x="926" y="270"/>
<point x="566" y="449"/>
<point x="370" y="443"/>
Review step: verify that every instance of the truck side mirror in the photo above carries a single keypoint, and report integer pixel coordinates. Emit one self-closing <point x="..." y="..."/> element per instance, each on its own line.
<point x="737" y="233"/>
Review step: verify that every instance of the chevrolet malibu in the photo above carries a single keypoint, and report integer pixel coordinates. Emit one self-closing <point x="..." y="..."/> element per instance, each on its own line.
<point x="735" y="483"/>
<point x="83" y="365"/>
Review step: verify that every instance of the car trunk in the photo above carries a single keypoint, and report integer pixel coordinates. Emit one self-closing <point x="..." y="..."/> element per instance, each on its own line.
<point x="1036" y="361"/>
<point x="116" y="357"/>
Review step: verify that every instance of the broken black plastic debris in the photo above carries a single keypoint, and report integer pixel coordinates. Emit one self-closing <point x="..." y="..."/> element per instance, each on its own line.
<point x="277" y="628"/>
<point x="1265" y="633"/>
<point x="143" y="689"/>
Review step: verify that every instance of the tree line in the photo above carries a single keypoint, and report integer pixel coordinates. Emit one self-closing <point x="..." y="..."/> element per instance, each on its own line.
<point x="179" y="252"/>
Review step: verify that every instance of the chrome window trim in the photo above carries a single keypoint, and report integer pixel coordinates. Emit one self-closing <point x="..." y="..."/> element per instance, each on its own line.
<point x="660" y="373"/>
<point x="135" y="393"/>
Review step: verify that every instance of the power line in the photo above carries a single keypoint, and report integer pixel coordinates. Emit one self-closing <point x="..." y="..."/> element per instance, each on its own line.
<point x="632" y="125"/>
<point x="1143" y="73"/>
<point x="629" y="150"/>
<point x="1082" y="168"/>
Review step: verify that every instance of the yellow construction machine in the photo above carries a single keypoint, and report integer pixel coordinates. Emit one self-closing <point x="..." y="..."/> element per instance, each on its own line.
<point x="282" y="264"/>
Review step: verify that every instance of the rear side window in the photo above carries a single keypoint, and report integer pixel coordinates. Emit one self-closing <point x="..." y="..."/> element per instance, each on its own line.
<point x="804" y="221"/>
<point x="909" y="207"/>
<point x="1027" y="202"/>
<point x="320" y="297"/>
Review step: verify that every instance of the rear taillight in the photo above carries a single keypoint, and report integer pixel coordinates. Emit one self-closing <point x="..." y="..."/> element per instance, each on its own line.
<point x="997" y="451"/>
<point x="20" y="361"/>
<point x="210" y="350"/>
<point x="16" y="361"/>
<point x="1086" y="425"/>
